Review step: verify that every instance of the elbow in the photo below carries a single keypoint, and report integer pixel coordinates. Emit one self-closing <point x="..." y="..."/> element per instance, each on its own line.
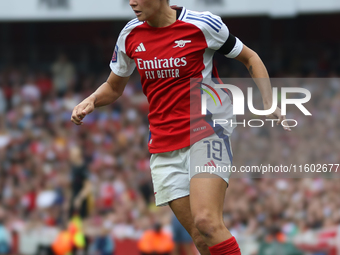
<point x="120" y="93"/>
<point x="252" y="62"/>
<point x="116" y="89"/>
<point x="247" y="56"/>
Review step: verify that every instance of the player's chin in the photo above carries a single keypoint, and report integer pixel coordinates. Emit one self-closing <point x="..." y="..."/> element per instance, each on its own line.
<point x="141" y="18"/>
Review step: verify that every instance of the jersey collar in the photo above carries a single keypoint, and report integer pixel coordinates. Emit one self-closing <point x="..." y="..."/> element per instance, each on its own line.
<point x="181" y="11"/>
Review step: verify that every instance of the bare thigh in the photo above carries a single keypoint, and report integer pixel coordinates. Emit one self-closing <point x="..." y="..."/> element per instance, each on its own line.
<point x="207" y="195"/>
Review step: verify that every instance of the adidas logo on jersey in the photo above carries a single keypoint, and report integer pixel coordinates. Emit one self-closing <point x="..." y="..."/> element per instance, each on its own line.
<point x="140" y="48"/>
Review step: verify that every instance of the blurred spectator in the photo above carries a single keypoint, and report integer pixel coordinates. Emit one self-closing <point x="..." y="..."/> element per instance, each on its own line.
<point x="46" y="197"/>
<point x="44" y="83"/>
<point x="275" y="243"/>
<point x="63" y="74"/>
<point x="5" y="137"/>
<point x="181" y="237"/>
<point x="5" y="239"/>
<point x="103" y="244"/>
<point x="35" y="237"/>
<point x="30" y="91"/>
<point x="3" y="103"/>
<point x="63" y="243"/>
<point x="156" y="242"/>
<point x="71" y="239"/>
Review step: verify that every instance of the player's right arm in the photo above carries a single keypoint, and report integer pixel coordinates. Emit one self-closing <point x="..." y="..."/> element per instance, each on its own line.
<point x="106" y="94"/>
<point x="122" y="66"/>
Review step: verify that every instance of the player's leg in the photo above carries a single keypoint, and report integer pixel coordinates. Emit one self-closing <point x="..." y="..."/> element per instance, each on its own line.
<point x="206" y="203"/>
<point x="171" y="184"/>
<point x="207" y="192"/>
<point x="181" y="208"/>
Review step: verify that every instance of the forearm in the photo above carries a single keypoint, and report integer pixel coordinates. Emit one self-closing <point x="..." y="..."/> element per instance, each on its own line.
<point x="85" y="192"/>
<point x="260" y="75"/>
<point x="82" y="194"/>
<point x="105" y="95"/>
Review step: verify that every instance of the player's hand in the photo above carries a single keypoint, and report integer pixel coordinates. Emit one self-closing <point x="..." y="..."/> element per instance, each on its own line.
<point x="82" y="109"/>
<point x="277" y="115"/>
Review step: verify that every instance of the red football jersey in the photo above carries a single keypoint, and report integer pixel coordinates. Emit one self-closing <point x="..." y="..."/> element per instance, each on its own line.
<point x="166" y="59"/>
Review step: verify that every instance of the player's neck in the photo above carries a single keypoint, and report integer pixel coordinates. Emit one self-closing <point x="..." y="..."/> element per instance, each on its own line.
<point x="163" y="18"/>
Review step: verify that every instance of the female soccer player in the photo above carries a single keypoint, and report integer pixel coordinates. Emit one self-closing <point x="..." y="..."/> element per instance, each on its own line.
<point x="170" y="45"/>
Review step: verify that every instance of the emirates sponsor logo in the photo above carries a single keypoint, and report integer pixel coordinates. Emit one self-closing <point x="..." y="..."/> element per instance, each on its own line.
<point x="161" y="63"/>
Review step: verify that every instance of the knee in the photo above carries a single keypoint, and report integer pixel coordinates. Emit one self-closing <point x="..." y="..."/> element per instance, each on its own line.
<point x="208" y="224"/>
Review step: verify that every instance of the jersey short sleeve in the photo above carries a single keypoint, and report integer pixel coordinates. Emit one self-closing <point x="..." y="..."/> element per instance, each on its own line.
<point x="121" y="64"/>
<point x="216" y="33"/>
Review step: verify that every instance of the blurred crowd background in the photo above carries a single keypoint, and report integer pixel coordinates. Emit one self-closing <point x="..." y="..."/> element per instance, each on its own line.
<point x="94" y="180"/>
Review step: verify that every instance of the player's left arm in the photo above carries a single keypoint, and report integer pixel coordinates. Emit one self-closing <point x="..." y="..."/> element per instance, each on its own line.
<point x="230" y="46"/>
<point x="260" y="75"/>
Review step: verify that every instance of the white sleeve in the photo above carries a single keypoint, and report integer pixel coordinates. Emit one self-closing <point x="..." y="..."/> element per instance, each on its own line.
<point x="215" y="31"/>
<point x="121" y="64"/>
<point x="236" y="49"/>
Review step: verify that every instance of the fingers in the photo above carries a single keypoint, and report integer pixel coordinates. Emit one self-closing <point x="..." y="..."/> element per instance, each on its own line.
<point x="77" y="116"/>
<point x="88" y="109"/>
<point x="281" y="119"/>
<point x="80" y="111"/>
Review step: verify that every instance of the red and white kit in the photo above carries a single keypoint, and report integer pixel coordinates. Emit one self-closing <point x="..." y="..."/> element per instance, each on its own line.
<point x="166" y="59"/>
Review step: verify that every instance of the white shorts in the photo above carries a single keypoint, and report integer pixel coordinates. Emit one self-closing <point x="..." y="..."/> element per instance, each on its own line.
<point x="172" y="171"/>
